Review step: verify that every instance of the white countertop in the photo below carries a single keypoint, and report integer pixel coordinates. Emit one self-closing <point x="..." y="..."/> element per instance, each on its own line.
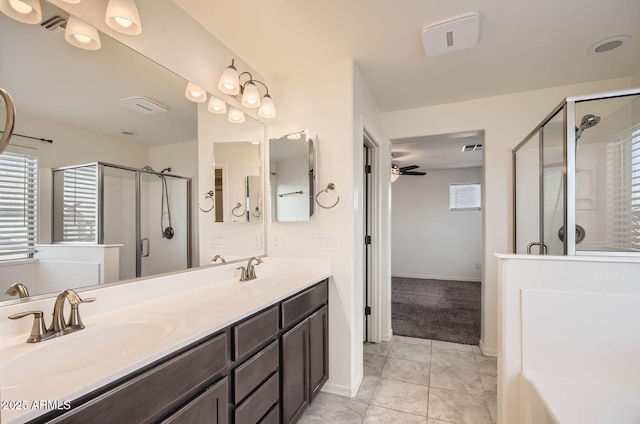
<point x="127" y="328"/>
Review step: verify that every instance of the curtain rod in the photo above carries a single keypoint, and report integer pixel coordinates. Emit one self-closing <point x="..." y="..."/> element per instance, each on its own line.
<point x="33" y="138"/>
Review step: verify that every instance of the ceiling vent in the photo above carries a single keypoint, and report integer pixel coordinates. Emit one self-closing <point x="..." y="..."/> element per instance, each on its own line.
<point x="472" y="147"/>
<point x="143" y="105"/>
<point x="451" y="35"/>
<point x="54" y="19"/>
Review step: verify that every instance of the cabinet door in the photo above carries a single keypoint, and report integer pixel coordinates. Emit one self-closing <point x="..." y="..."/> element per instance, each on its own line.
<point x="295" y="372"/>
<point x="211" y="407"/>
<point x="318" y="351"/>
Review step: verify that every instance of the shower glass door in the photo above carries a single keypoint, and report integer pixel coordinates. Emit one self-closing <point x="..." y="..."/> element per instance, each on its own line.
<point x="527" y="195"/>
<point x="164" y="243"/>
<point x="553" y="184"/>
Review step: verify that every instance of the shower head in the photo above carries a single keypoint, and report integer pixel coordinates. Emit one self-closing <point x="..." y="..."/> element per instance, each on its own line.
<point x="147" y="168"/>
<point x="165" y="170"/>
<point x="586" y="122"/>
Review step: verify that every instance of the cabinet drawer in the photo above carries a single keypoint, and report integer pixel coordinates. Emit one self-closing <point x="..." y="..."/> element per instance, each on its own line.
<point x="272" y="417"/>
<point x="253" y="372"/>
<point x="210" y="407"/>
<point x="261" y="401"/>
<point x="251" y="333"/>
<point x="303" y="304"/>
<point x="152" y="394"/>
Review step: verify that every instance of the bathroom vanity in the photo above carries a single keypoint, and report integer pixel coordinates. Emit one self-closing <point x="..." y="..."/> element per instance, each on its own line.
<point x="222" y="352"/>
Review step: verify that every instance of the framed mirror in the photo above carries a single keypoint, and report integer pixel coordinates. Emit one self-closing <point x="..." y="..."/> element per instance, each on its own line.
<point x="72" y="110"/>
<point x="292" y="165"/>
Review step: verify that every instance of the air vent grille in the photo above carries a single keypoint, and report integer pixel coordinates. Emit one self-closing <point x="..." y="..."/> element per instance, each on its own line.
<point x="471" y="147"/>
<point x="54" y="19"/>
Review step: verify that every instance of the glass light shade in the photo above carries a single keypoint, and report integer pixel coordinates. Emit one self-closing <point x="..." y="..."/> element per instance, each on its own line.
<point x="395" y="173"/>
<point x="236" y="116"/>
<point x="72" y="1"/>
<point x="250" y="95"/>
<point x="25" y="11"/>
<point x="122" y="16"/>
<point x="195" y="93"/>
<point x="229" y="82"/>
<point x="82" y="35"/>
<point x="267" y="108"/>
<point x="217" y="106"/>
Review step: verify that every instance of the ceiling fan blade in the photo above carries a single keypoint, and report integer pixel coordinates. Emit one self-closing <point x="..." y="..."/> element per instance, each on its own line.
<point x="414" y="173"/>
<point x="408" y="168"/>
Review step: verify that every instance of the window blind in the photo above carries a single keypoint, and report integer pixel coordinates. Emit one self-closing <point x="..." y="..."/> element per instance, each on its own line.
<point x="18" y="206"/>
<point x="80" y="204"/>
<point x="623" y="191"/>
<point x="464" y="197"/>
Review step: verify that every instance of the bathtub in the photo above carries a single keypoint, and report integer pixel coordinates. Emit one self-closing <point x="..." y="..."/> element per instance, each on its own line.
<point x="551" y="399"/>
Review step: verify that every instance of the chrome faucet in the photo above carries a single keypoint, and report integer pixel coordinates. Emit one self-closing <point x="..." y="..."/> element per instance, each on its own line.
<point x="59" y="326"/>
<point x="215" y="258"/>
<point x="18" y="289"/>
<point x="251" y="269"/>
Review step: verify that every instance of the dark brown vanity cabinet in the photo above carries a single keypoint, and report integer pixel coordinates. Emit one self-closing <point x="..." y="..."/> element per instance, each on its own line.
<point x="305" y="351"/>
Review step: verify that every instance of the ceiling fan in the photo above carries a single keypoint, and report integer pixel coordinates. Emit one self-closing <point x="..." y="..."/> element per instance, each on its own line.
<point x="396" y="171"/>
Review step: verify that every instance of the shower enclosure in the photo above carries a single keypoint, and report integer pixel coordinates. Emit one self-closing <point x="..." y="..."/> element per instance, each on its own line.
<point x="146" y="212"/>
<point x="580" y="169"/>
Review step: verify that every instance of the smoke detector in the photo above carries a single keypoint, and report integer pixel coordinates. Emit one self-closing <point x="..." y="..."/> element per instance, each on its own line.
<point x="143" y="105"/>
<point x="453" y="34"/>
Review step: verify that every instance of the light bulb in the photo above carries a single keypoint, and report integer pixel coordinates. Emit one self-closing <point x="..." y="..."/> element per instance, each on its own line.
<point x="80" y="34"/>
<point x="123" y="16"/>
<point x="123" y="22"/>
<point x="82" y="38"/>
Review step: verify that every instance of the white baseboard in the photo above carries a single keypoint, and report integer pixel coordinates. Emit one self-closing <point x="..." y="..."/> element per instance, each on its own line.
<point x="439" y="277"/>
<point x="486" y="351"/>
<point x="335" y="389"/>
<point x="388" y="336"/>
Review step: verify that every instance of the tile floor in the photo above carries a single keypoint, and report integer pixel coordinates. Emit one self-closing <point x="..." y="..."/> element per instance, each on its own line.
<point x="409" y="380"/>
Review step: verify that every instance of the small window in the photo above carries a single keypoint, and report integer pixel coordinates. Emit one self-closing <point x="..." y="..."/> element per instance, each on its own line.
<point x="464" y="197"/>
<point x="18" y="178"/>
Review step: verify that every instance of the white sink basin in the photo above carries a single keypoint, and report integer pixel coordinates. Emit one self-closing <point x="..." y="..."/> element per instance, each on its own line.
<point x="261" y="283"/>
<point x="87" y="349"/>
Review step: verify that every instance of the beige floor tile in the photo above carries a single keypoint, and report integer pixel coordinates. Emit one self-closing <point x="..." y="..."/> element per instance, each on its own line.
<point x="493" y="410"/>
<point x="457" y="407"/>
<point x="434" y="421"/>
<point x="367" y="387"/>
<point x="453" y="358"/>
<point x="411" y="340"/>
<point x="409" y="371"/>
<point x="411" y="352"/>
<point x="456" y="379"/>
<point x="401" y="396"/>
<point x="452" y="346"/>
<point x="381" y="349"/>
<point x="376" y="414"/>
<point x="331" y="409"/>
<point x="373" y="364"/>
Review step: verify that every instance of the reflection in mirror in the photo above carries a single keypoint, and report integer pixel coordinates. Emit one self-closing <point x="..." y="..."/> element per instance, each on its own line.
<point x="291" y="177"/>
<point x="237" y="168"/>
<point x="73" y="98"/>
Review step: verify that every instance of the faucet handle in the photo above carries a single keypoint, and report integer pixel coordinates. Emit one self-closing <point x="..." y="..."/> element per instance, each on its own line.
<point x="243" y="273"/>
<point x="75" y="323"/>
<point x="39" y="330"/>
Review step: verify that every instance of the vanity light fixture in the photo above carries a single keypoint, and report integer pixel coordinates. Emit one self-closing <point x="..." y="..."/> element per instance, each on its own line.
<point x="195" y="93"/>
<point x="229" y="83"/>
<point x="122" y="16"/>
<point x="236" y="116"/>
<point x="25" y="11"/>
<point x="217" y="106"/>
<point x="82" y="35"/>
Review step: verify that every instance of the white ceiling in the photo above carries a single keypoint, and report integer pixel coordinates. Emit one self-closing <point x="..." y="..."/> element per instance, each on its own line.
<point x="523" y="46"/>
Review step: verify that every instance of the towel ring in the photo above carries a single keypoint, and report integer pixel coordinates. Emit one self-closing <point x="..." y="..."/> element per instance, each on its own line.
<point x="330" y="187"/>
<point x="208" y="195"/>
<point x="233" y="211"/>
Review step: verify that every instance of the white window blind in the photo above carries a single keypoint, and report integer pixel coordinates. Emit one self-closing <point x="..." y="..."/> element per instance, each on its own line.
<point x="623" y="191"/>
<point x="464" y="197"/>
<point x="79" y="204"/>
<point x="18" y="207"/>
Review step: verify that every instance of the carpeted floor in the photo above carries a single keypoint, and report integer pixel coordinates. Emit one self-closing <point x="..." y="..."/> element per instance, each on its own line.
<point x="436" y="309"/>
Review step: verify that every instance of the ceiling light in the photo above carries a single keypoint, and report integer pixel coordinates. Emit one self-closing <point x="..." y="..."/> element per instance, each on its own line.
<point x="122" y="16"/>
<point x="25" y="11"/>
<point x="236" y="116"/>
<point x="250" y="95"/>
<point x="395" y="173"/>
<point x="82" y="35"/>
<point x="267" y="108"/>
<point x="217" y="106"/>
<point x="195" y="93"/>
<point x="608" y="44"/>
<point x="229" y="82"/>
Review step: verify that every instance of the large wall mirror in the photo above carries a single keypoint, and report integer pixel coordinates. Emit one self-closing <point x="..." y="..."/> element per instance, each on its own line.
<point x="292" y="164"/>
<point x="92" y="110"/>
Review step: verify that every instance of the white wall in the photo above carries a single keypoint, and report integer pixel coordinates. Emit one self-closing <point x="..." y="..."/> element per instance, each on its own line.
<point x="429" y="240"/>
<point x="333" y="104"/>
<point x="506" y="120"/>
